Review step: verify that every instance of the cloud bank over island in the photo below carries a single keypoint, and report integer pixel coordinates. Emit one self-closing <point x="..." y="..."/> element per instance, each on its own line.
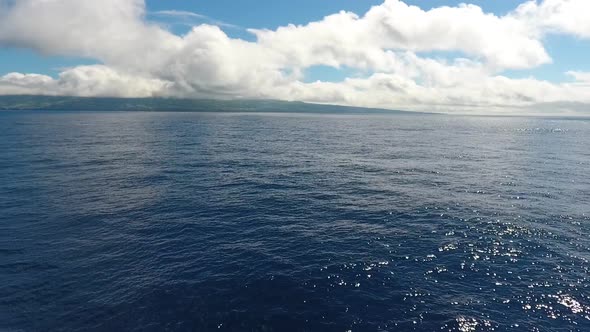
<point x="392" y="48"/>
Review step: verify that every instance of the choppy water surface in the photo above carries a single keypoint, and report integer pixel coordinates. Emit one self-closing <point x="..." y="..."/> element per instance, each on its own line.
<point x="267" y="222"/>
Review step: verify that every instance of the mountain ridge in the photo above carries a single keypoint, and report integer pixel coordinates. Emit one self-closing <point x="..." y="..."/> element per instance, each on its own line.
<point x="158" y="104"/>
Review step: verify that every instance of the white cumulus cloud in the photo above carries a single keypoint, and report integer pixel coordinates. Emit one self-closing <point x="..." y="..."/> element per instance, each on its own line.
<point x="557" y="16"/>
<point x="95" y="80"/>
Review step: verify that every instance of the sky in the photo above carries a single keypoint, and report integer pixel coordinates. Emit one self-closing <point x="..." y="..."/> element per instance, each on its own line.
<point x="479" y="57"/>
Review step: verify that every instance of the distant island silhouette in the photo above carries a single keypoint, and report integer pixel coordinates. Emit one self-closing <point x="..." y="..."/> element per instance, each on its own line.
<point x="66" y="103"/>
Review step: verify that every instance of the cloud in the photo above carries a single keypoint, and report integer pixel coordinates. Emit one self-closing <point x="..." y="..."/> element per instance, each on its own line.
<point x="96" y="80"/>
<point x="556" y="16"/>
<point x="388" y="44"/>
<point x="179" y="13"/>
<point x="580" y="76"/>
<point x="17" y="83"/>
<point x="111" y="31"/>
<point x="345" y="38"/>
<point x="188" y="17"/>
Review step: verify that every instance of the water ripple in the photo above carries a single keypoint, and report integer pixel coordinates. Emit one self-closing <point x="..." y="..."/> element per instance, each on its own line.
<point x="180" y="221"/>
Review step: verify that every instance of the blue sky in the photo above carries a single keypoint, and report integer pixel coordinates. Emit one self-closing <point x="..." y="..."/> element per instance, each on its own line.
<point x="271" y="14"/>
<point x="568" y="52"/>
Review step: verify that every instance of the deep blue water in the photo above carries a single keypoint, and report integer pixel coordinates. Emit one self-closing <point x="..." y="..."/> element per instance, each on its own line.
<point x="267" y="222"/>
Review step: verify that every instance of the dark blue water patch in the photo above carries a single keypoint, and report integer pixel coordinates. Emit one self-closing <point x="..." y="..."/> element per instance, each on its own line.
<point x="266" y="222"/>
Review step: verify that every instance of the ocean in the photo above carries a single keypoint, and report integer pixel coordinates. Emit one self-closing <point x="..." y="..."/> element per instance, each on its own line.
<point x="148" y="221"/>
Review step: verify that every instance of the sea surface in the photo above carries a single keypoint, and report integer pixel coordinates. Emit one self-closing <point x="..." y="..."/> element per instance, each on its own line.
<point x="138" y="221"/>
